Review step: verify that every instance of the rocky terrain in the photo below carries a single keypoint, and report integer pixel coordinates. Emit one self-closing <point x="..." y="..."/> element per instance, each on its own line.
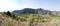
<point x="39" y="11"/>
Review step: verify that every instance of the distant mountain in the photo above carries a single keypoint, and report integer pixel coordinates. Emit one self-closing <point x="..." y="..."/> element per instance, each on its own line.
<point x="39" y="11"/>
<point x="25" y="11"/>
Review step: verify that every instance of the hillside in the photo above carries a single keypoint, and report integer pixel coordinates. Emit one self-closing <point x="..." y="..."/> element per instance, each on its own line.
<point x="39" y="11"/>
<point x="28" y="19"/>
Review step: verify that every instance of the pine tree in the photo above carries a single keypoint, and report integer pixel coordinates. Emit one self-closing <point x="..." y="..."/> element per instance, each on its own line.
<point x="5" y="13"/>
<point x="9" y="14"/>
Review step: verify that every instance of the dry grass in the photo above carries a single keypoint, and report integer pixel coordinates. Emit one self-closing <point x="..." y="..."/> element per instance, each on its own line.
<point x="49" y="21"/>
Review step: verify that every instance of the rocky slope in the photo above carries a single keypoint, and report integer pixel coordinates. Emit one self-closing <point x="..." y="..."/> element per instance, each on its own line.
<point x="39" y="11"/>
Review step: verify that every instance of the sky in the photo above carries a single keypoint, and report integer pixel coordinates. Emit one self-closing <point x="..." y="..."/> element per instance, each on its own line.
<point x="10" y="5"/>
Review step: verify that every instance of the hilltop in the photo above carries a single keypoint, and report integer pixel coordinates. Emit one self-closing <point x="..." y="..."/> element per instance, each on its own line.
<point x="39" y="11"/>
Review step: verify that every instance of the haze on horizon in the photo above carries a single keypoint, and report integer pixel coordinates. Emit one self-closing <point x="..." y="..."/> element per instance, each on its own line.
<point x="10" y="5"/>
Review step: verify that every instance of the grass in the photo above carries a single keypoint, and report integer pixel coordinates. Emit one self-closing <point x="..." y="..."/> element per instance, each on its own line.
<point x="27" y="18"/>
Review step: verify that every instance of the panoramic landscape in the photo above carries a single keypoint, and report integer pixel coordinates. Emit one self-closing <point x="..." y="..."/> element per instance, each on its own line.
<point x="30" y="17"/>
<point x="29" y="12"/>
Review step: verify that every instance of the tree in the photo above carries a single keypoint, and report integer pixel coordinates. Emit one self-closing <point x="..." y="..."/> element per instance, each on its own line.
<point x="9" y="14"/>
<point x="14" y="16"/>
<point x="5" y="13"/>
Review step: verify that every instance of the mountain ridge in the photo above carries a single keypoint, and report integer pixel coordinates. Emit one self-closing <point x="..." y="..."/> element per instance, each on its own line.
<point x="39" y="11"/>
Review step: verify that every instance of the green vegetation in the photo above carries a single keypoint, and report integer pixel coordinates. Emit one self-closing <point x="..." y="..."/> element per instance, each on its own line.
<point x="29" y="19"/>
<point x="24" y="17"/>
<point x="8" y="13"/>
<point x="13" y="16"/>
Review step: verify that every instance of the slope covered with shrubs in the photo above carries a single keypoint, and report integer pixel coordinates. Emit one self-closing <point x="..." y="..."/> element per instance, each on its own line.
<point x="27" y="19"/>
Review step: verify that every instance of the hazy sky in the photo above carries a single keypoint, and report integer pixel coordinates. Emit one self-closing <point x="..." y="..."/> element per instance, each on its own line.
<point x="10" y="5"/>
